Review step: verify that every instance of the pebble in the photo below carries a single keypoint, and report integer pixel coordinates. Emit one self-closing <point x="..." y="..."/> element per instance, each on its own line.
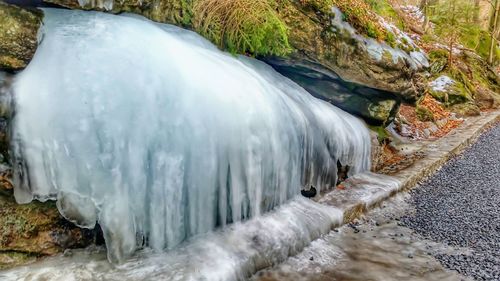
<point x="460" y="205"/>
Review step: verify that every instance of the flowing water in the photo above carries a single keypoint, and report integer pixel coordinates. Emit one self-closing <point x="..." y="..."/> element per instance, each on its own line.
<point x="161" y="138"/>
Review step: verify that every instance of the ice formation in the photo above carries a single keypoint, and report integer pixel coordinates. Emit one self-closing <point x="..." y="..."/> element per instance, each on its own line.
<point x="154" y="133"/>
<point x="234" y="253"/>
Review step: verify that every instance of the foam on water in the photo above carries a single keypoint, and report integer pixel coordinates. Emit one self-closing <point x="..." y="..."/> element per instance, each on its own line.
<point x="157" y="135"/>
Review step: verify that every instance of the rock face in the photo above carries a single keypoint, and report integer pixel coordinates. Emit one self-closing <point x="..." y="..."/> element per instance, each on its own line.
<point x="36" y="229"/>
<point x="327" y="41"/>
<point x="18" y="36"/>
<point x="178" y="12"/>
<point x="376" y="107"/>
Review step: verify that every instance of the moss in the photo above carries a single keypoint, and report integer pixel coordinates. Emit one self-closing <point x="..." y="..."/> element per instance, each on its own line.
<point x="10" y="259"/>
<point x="24" y="220"/>
<point x="387" y="55"/>
<point x="391" y="39"/>
<point x="478" y="40"/>
<point x="424" y="114"/>
<point x="455" y="94"/>
<point x="385" y="9"/>
<point x="481" y="73"/>
<point x="381" y="110"/>
<point x="249" y="27"/>
<point x="437" y="54"/>
<point x="238" y="26"/>
<point x="382" y="134"/>
<point x="406" y="47"/>
<point x="476" y="81"/>
<point x="438" y="59"/>
<point x="356" y="12"/>
<point x="176" y="11"/>
<point x="466" y="109"/>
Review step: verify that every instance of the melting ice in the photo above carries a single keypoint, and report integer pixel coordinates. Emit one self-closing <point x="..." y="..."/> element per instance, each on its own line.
<point x="157" y="135"/>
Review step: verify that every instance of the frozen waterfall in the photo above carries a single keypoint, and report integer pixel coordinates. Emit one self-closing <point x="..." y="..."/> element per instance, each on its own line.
<point x="157" y="135"/>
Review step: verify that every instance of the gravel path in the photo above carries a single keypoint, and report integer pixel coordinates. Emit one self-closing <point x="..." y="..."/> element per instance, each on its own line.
<point x="460" y="206"/>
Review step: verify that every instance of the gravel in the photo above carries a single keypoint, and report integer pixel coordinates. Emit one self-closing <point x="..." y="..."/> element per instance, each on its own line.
<point x="460" y="206"/>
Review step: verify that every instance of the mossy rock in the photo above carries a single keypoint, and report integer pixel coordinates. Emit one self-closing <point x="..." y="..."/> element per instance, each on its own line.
<point x="454" y="95"/>
<point x="315" y="41"/>
<point x="466" y="109"/>
<point x="450" y="91"/>
<point x="376" y="107"/>
<point x="486" y="99"/>
<point x="18" y="36"/>
<point x="34" y="230"/>
<point x="438" y="60"/>
<point x="10" y="259"/>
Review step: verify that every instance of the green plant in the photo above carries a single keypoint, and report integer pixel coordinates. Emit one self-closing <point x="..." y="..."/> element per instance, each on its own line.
<point x="242" y="26"/>
<point x="453" y="20"/>
<point x="383" y="135"/>
<point x="385" y="9"/>
<point x="391" y="39"/>
<point x="424" y="114"/>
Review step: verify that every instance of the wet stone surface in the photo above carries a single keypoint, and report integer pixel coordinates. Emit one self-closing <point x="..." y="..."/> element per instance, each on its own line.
<point x="375" y="247"/>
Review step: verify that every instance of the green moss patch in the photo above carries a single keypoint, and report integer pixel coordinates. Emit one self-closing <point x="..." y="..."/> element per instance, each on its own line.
<point x="242" y="26"/>
<point x="382" y="134"/>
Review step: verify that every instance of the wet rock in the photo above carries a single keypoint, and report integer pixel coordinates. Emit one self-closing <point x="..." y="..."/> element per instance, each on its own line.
<point x="486" y="98"/>
<point x="318" y="41"/>
<point x="376" y="107"/>
<point x="5" y="116"/>
<point x="18" y="35"/>
<point x="377" y="157"/>
<point x="449" y="91"/>
<point x="37" y="228"/>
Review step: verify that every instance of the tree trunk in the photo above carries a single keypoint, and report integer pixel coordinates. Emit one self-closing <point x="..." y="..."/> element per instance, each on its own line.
<point x="450" y="54"/>
<point x="425" y="8"/>
<point x="477" y="9"/>
<point x="494" y="30"/>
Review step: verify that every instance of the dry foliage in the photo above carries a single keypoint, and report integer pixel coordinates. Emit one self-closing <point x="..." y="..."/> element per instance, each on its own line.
<point x="434" y="106"/>
<point x="415" y="127"/>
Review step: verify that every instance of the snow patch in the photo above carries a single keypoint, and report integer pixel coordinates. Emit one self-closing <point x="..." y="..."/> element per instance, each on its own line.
<point x="442" y="83"/>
